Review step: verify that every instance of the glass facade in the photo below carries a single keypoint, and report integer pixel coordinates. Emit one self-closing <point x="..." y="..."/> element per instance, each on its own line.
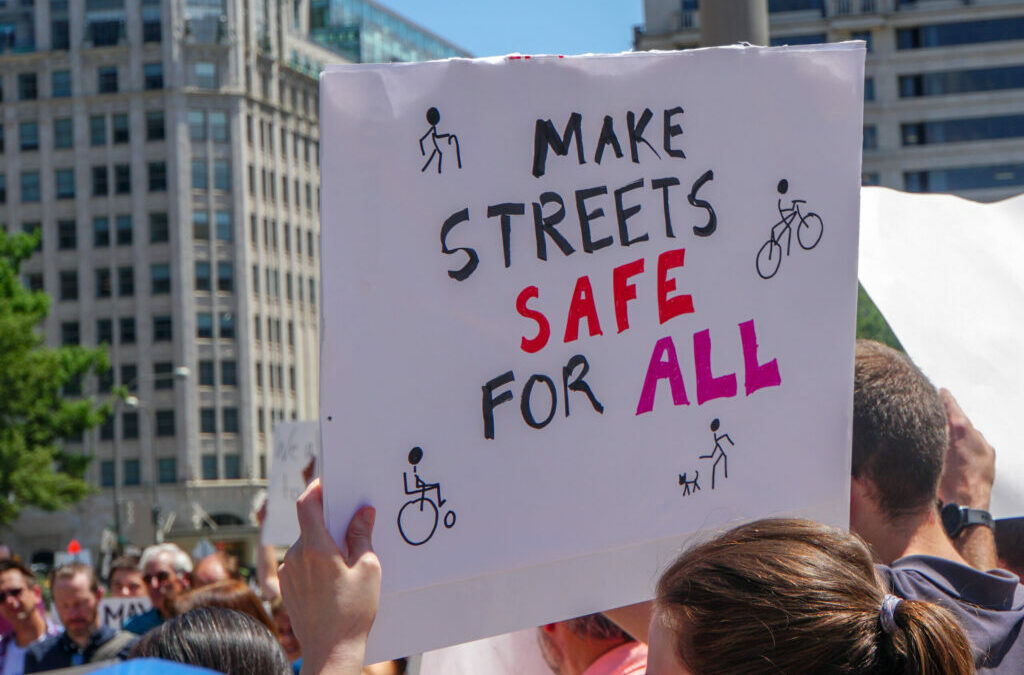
<point x="964" y="178"/>
<point x="961" y="33"/>
<point x="963" y="130"/>
<point x="961" y="81"/>
<point x="366" y="32"/>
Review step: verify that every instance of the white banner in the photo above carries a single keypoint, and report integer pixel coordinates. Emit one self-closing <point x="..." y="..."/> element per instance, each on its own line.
<point x="116" y="612"/>
<point x="296" y="449"/>
<point x="947" y="275"/>
<point x="578" y="309"/>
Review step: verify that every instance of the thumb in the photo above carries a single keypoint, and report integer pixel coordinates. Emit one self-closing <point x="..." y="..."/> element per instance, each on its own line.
<point x="359" y="532"/>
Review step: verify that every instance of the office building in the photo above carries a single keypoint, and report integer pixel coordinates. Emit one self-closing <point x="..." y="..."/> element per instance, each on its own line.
<point x="943" y="90"/>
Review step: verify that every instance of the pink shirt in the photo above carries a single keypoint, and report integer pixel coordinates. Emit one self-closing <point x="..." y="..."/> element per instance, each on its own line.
<point x="627" y="659"/>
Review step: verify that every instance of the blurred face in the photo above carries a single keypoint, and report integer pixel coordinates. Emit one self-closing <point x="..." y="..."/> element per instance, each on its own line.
<point x="208" y="571"/>
<point x="161" y="580"/>
<point x="286" y="637"/>
<point x="77" y="606"/>
<point x="662" y="658"/>
<point x="127" y="584"/>
<point x="19" y="597"/>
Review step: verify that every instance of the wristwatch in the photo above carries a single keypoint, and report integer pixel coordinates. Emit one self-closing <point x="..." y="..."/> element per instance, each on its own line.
<point x="955" y="518"/>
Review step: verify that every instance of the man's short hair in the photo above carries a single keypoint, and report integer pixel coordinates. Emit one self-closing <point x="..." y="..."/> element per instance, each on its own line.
<point x="899" y="429"/>
<point x="15" y="564"/>
<point x="68" y="571"/>
<point x="125" y="562"/>
<point x="180" y="561"/>
<point x="597" y="627"/>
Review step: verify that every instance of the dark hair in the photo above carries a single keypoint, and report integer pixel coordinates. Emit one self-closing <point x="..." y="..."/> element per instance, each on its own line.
<point x="69" y="570"/>
<point x="220" y="639"/>
<point x="15" y="564"/>
<point x="125" y="562"/>
<point x="227" y="594"/>
<point x="598" y="627"/>
<point x="899" y="429"/>
<point x="795" y="596"/>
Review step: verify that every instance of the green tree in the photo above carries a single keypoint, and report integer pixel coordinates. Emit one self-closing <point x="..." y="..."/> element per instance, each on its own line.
<point x="870" y="322"/>
<point x="35" y="418"/>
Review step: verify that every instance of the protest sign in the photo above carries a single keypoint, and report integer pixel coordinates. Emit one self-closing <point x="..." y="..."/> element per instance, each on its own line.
<point x="116" y="612"/>
<point x="296" y="450"/>
<point x="577" y="310"/>
<point x="509" y="654"/>
<point x="946" y="274"/>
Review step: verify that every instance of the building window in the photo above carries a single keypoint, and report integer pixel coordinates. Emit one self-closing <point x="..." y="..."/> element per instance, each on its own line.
<point x="203" y="275"/>
<point x="164" y="423"/>
<point x="167" y="470"/>
<point x="153" y="75"/>
<point x="160" y="279"/>
<point x="125" y="281"/>
<point x="106" y="79"/>
<point x="163" y="375"/>
<point x="67" y="235"/>
<point x="222" y="175"/>
<point x="124" y="229"/>
<point x="199" y="178"/>
<point x="869" y="178"/>
<point x="159" y="232"/>
<point x="65" y="180"/>
<point x="964" y="178"/>
<point x="70" y="333"/>
<point x="204" y="325"/>
<point x="130" y="425"/>
<point x="157" y="177"/>
<point x="151" y="23"/>
<point x="963" y="130"/>
<point x="100" y="181"/>
<point x="163" y="329"/>
<point x="227" y="325"/>
<point x="806" y="39"/>
<point x="107" y="468"/>
<point x="129" y="376"/>
<point x="28" y="136"/>
<point x="225" y="277"/>
<point x="209" y="467"/>
<point x="61" y="84"/>
<point x="208" y="420"/>
<point x="219" y="126"/>
<point x="230" y="420"/>
<point x="127" y="330"/>
<point x="120" y="124"/>
<point x="232" y="466"/>
<point x="206" y="373"/>
<point x="200" y="225"/>
<point x="103" y="283"/>
<point x="228" y="373"/>
<point x="961" y="33"/>
<point x="131" y="472"/>
<point x="206" y="75"/>
<point x="36" y="230"/>
<point x="864" y="35"/>
<point x="105" y="335"/>
<point x="259" y="373"/>
<point x="105" y="380"/>
<point x="224" y="229"/>
<point x="97" y="130"/>
<point x="3" y="189"/>
<point x="69" y="285"/>
<point x="155" y="125"/>
<point x="63" y="135"/>
<point x="196" y="125"/>
<point x="28" y="89"/>
<point x="261" y="427"/>
<point x="34" y="281"/>
<point x="122" y="179"/>
<point x="870" y="137"/>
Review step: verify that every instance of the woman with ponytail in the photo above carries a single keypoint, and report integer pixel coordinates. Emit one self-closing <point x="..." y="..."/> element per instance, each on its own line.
<point x="794" y="596"/>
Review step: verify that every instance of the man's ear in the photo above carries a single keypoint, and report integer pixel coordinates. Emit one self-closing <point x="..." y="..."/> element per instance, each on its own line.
<point x="549" y="627"/>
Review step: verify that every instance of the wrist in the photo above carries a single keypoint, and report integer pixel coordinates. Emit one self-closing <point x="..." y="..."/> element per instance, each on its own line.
<point x="344" y="658"/>
<point x="956" y="519"/>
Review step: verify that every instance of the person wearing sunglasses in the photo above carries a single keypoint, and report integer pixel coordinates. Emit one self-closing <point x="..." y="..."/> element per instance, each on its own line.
<point x="20" y="599"/>
<point x="165" y="569"/>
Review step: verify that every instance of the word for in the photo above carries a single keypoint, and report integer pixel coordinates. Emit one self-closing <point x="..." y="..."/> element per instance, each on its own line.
<point x="664" y="365"/>
<point x="582" y="306"/>
<point x="578" y="384"/>
<point x="549" y="212"/>
<point x="545" y="136"/>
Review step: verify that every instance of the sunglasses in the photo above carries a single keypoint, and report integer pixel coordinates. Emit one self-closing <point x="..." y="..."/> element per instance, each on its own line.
<point x="12" y="593"/>
<point x="163" y="577"/>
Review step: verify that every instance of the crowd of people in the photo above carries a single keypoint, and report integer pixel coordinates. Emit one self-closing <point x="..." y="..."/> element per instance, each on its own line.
<point x="918" y="585"/>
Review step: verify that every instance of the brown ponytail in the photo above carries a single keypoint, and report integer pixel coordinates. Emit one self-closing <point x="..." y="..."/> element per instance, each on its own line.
<point x="793" y="596"/>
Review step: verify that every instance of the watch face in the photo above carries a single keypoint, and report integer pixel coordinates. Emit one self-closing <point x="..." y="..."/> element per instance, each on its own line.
<point x="952" y="519"/>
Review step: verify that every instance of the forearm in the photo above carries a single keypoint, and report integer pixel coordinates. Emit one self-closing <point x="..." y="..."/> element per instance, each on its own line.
<point x="978" y="547"/>
<point x="266" y="572"/>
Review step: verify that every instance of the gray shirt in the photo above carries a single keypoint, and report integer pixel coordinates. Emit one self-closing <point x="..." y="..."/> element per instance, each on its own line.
<point x="989" y="605"/>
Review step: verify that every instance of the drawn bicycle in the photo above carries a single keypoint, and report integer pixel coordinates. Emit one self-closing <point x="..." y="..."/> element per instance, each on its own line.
<point x="809" y="228"/>
<point x="418" y="517"/>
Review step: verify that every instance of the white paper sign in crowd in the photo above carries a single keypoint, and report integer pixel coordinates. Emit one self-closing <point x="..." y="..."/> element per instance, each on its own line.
<point x="947" y="275"/>
<point x="577" y="310"/>
<point x="116" y="612"/>
<point x="296" y="450"/>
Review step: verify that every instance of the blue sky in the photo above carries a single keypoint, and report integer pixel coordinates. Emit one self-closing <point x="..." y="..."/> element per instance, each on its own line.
<point x="490" y="27"/>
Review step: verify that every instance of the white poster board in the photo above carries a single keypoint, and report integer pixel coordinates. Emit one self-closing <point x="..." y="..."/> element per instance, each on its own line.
<point x="558" y="335"/>
<point x="116" y="612"/>
<point x="296" y="445"/>
<point x="509" y="654"/>
<point x="947" y="274"/>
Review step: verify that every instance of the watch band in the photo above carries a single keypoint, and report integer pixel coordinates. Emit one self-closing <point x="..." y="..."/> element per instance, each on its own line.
<point x="955" y="518"/>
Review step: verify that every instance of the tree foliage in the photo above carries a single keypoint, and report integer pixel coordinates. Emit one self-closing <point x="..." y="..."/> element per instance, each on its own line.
<point x="870" y="322"/>
<point x="35" y="417"/>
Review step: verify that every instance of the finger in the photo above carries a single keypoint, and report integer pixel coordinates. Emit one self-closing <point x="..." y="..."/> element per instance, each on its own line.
<point x="310" y="510"/>
<point x="954" y="412"/>
<point x="360" y="530"/>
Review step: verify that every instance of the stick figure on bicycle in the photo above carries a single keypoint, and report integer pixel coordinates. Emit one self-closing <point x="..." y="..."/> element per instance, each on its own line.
<point x="417" y="525"/>
<point x="809" y="227"/>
